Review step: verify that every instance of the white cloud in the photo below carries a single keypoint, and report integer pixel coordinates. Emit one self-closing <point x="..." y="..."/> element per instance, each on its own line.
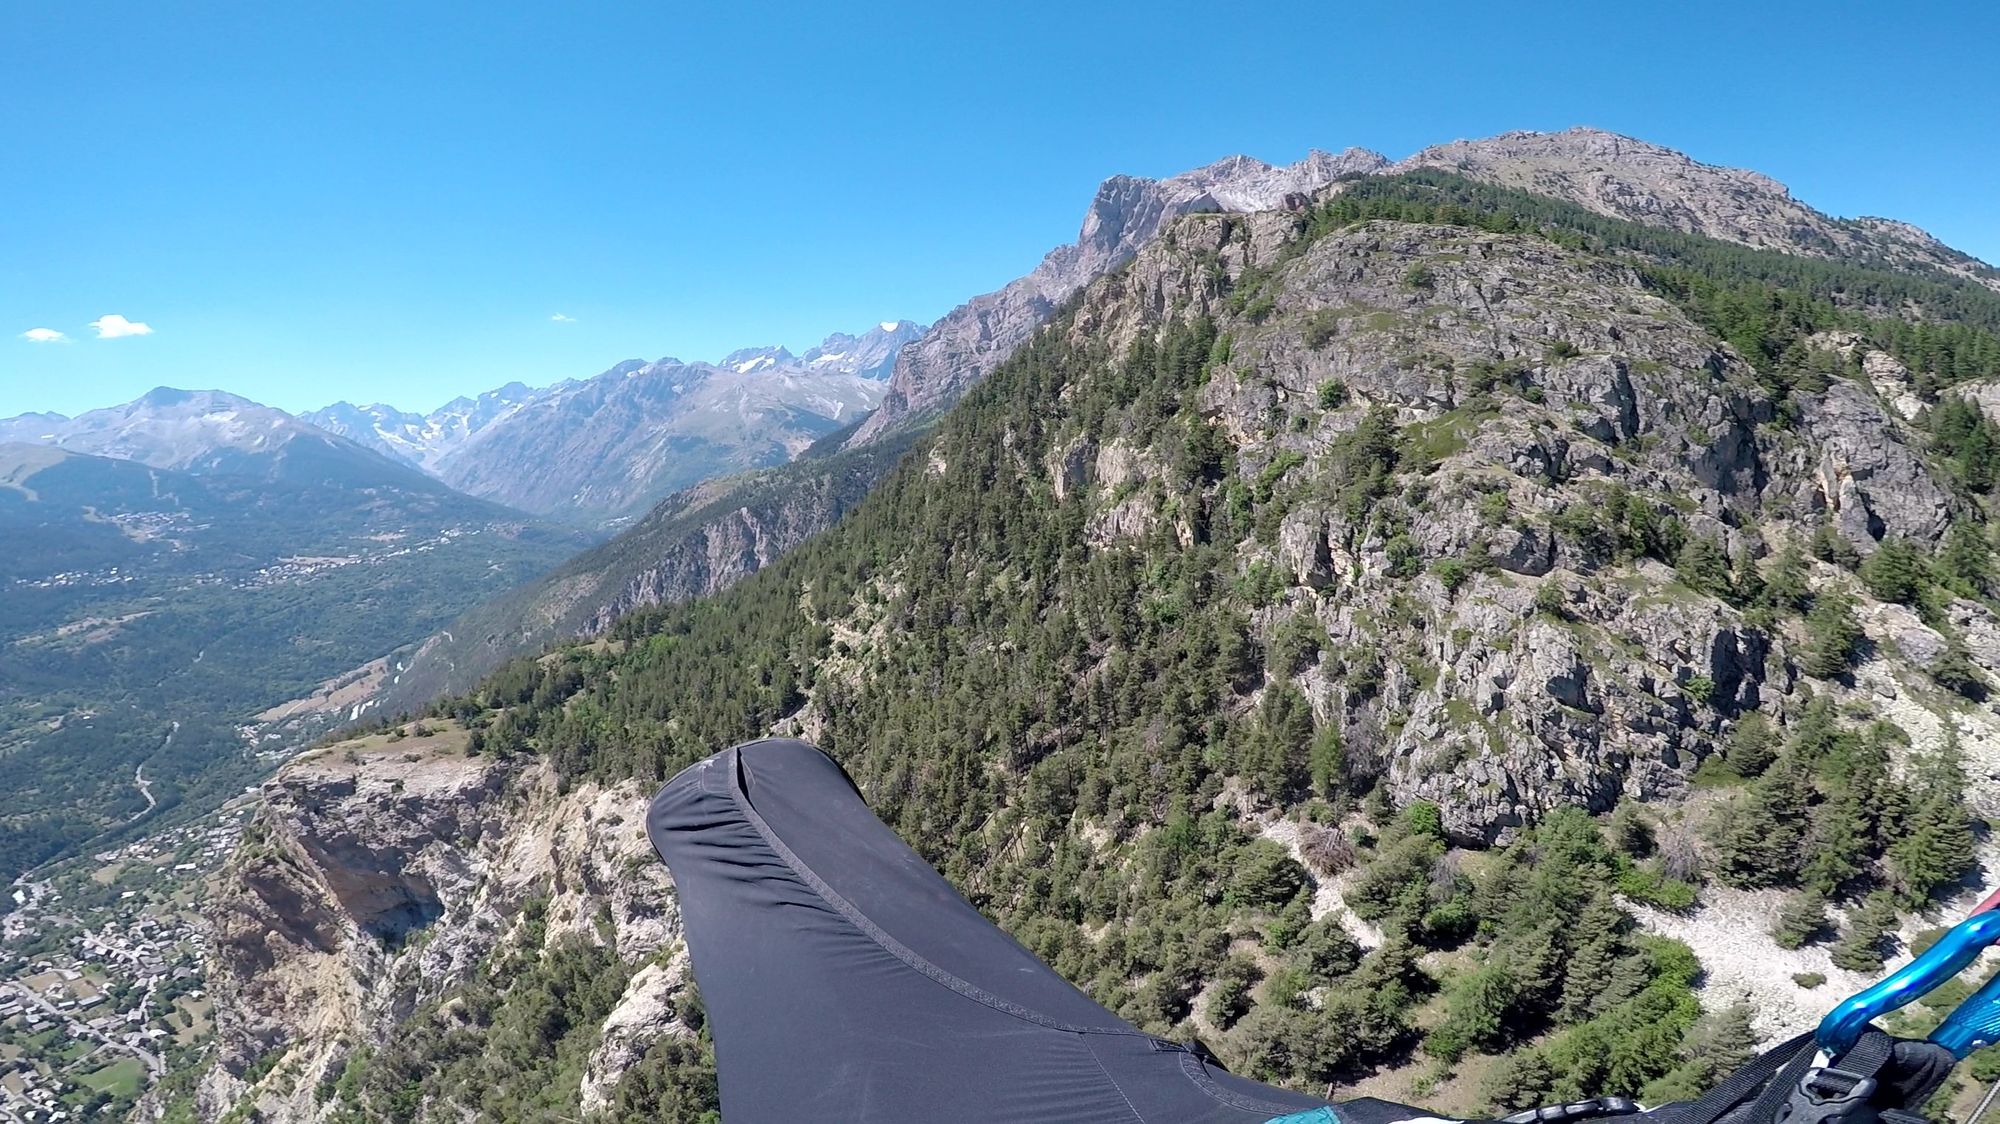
<point x="44" y="335"/>
<point x="111" y="326"/>
<point x="561" y="319"/>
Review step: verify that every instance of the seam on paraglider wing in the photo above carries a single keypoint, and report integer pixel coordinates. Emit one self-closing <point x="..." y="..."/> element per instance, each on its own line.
<point x="881" y="937"/>
<point x="1106" y="1071"/>
<point x="1196" y="1071"/>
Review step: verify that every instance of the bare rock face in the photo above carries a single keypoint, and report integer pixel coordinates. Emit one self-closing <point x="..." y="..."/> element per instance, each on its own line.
<point x="380" y="875"/>
<point x="1865" y="475"/>
<point x="1127" y="213"/>
<point x="644" y="1015"/>
<point x="1984" y="393"/>
<point x="1631" y="179"/>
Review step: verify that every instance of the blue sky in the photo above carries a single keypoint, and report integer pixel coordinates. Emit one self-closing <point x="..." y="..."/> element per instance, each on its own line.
<point x="307" y="202"/>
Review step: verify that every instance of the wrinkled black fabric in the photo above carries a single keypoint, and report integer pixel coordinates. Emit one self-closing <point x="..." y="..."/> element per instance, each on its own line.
<point x="845" y="980"/>
<point x="1916" y="1071"/>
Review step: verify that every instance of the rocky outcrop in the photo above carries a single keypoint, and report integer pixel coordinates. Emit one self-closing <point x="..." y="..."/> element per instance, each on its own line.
<point x="379" y="875"/>
<point x="706" y="538"/>
<point x="1864" y="473"/>
<point x="1532" y="385"/>
<point x="645" y="1014"/>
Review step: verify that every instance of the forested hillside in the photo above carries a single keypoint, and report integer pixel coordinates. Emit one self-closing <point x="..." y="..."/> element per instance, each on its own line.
<point x="1345" y="635"/>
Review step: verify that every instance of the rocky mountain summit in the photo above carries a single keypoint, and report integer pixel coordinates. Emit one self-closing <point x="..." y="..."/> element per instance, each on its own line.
<point x="618" y="443"/>
<point x="205" y="431"/>
<point x="421" y="439"/>
<point x="872" y="354"/>
<point x="1126" y="214"/>
<point x="1630" y="179"/>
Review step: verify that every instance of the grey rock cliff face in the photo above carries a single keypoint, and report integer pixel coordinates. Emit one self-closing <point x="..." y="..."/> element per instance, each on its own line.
<point x="380" y="876"/>
<point x="1126" y="214"/>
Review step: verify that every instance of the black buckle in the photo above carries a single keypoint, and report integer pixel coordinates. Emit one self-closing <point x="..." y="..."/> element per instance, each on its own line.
<point x="1575" y="1110"/>
<point x="1825" y="1094"/>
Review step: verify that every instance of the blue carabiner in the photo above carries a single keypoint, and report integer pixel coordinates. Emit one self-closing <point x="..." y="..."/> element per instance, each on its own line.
<point x="1947" y="958"/>
<point x="1974" y="1025"/>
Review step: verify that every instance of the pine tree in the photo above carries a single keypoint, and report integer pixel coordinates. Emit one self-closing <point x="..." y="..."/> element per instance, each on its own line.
<point x="1518" y="1081"/>
<point x="1229" y="997"/>
<point x="1838" y="843"/>
<point x="1327" y="760"/>
<point x="1759" y="842"/>
<point x="1829" y="545"/>
<point x="1975" y="460"/>
<point x="1850" y="824"/>
<point x="1833" y="637"/>
<point x="1537" y="959"/>
<point x="1703" y="566"/>
<point x="1752" y="746"/>
<point x="1936" y="845"/>
<point x="1816" y="732"/>
<point x="1747" y="581"/>
<point x="1966" y="563"/>
<point x="1591" y="980"/>
<point x="1955" y="671"/>
<point x="1731" y="1041"/>
<point x="1786" y="589"/>
<point x="1860" y="947"/>
<point x="1475" y="1012"/>
<point x="1897" y="571"/>
<point x="1800" y="919"/>
<point x="1630" y="831"/>
<point x="1713" y="1048"/>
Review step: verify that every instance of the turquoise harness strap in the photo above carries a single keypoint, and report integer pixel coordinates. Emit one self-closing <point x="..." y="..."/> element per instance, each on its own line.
<point x="1309" y="1116"/>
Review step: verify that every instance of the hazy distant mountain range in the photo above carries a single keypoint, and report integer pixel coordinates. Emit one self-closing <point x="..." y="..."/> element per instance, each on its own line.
<point x="614" y="444"/>
<point x="601" y="447"/>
